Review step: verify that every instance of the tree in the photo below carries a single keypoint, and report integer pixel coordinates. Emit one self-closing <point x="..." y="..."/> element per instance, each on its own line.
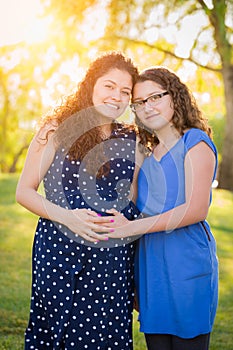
<point x="29" y="74"/>
<point x="15" y="84"/>
<point x="144" y="24"/>
<point x="218" y="28"/>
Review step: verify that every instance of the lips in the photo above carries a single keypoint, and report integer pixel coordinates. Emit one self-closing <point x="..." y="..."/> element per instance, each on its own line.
<point x="112" y="105"/>
<point x="151" y="116"/>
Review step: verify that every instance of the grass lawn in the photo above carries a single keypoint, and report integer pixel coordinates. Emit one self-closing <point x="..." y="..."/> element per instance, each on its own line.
<point x="17" y="228"/>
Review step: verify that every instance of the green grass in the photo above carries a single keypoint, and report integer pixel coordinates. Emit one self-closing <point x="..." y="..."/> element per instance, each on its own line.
<point x="17" y="228"/>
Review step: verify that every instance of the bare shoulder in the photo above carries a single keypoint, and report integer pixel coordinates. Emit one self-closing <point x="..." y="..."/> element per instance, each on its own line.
<point x="43" y="137"/>
<point x="46" y="130"/>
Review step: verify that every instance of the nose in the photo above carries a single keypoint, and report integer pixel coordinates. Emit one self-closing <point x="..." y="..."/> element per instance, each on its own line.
<point x="116" y="94"/>
<point x="147" y="106"/>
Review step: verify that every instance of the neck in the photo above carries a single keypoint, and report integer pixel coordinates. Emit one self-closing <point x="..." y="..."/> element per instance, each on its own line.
<point x="167" y="140"/>
<point x="168" y="136"/>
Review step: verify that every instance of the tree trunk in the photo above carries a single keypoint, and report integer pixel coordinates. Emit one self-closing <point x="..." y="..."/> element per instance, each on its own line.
<point x="12" y="168"/>
<point x="226" y="166"/>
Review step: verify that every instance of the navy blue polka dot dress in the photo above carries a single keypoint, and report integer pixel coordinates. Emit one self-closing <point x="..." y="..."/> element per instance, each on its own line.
<point x="82" y="294"/>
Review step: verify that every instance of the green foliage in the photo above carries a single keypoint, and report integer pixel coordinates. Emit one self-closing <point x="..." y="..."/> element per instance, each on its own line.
<point x="16" y="235"/>
<point x="25" y="70"/>
<point x="151" y="32"/>
<point x="218" y="126"/>
<point x="15" y="272"/>
<point x="70" y="9"/>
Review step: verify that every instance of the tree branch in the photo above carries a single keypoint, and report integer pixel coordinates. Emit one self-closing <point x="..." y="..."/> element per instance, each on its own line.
<point x="203" y="5"/>
<point x="167" y="52"/>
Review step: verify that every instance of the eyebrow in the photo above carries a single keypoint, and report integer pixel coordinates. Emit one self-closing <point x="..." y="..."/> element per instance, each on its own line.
<point x="114" y="83"/>
<point x="140" y="98"/>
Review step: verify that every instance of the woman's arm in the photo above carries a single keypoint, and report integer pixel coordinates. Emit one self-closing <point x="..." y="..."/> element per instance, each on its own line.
<point x="39" y="158"/>
<point x="199" y="170"/>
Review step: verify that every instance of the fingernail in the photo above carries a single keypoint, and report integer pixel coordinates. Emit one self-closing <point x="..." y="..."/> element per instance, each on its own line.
<point x="112" y="220"/>
<point x="99" y="214"/>
<point x="112" y="230"/>
<point x="106" y="238"/>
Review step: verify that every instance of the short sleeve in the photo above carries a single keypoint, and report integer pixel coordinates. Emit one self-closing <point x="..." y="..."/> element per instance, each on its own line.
<point x="193" y="136"/>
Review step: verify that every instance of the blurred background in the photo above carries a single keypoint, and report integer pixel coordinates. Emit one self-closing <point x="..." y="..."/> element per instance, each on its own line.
<point x="45" y="48"/>
<point x="46" y="45"/>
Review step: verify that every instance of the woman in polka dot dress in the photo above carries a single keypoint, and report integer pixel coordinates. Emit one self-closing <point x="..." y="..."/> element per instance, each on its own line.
<point x="82" y="287"/>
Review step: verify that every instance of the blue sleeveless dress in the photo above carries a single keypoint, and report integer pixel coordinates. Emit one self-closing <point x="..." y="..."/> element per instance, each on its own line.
<point x="82" y="294"/>
<point x="176" y="271"/>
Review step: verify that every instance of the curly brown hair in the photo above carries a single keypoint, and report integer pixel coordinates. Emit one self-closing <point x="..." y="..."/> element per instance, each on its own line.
<point x="82" y="100"/>
<point x="186" y="112"/>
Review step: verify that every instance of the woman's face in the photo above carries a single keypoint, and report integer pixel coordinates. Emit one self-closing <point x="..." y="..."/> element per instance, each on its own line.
<point x="111" y="93"/>
<point x="157" y="110"/>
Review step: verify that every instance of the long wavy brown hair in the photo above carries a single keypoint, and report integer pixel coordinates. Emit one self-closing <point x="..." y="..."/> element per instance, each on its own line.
<point x="186" y="112"/>
<point x="87" y="123"/>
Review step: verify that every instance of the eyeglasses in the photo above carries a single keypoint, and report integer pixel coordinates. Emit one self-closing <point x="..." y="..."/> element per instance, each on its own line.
<point x="152" y="100"/>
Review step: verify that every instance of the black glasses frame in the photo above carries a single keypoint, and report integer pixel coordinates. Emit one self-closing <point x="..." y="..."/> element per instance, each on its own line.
<point x="141" y="103"/>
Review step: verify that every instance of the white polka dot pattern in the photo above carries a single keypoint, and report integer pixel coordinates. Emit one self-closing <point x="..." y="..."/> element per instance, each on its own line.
<point x="82" y="296"/>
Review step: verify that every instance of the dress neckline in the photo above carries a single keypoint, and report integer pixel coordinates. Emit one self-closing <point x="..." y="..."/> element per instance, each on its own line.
<point x="168" y="151"/>
<point x="174" y="146"/>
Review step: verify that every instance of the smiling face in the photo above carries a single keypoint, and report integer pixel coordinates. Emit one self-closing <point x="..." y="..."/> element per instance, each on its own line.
<point x="154" y="115"/>
<point x="111" y="93"/>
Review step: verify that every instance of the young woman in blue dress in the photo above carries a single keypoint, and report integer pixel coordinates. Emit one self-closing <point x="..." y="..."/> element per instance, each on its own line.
<point x="82" y="287"/>
<point x="176" y="264"/>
